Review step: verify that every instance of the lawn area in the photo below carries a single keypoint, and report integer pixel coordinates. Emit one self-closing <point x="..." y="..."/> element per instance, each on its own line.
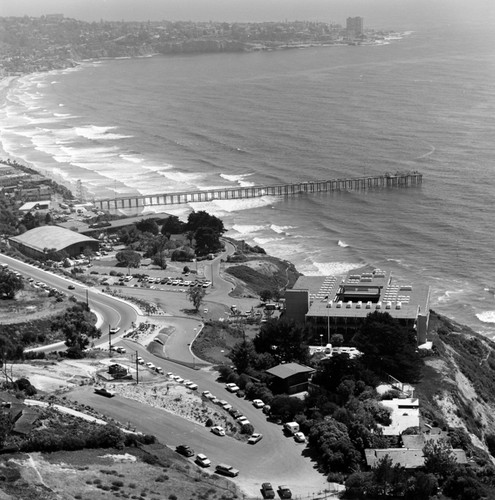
<point x="217" y="338"/>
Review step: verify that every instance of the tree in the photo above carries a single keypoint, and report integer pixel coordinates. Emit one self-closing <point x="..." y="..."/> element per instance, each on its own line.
<point x="76" y="328"/>
<point x="207" y="241"/>
<point x="388" y="347"/>
<point x="284" y="339"/>
<point x="10" y="284"/>
<point x="128" y="258"/>
<point x="172" y="225"/>
<point x="330" y="439"/>
<point x="196" y="294"/>
<point x="199" y="219"/>
<point x="265" y="295"/>
<point x="439" y="457"/>
<point x="147" y="226"/>
<point x="243" y="355"/>
<point x="160" y="260"/>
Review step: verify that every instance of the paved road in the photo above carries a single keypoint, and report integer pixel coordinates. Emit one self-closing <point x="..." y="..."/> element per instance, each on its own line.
<point x="112" y="311"/>
<point x="275" y="458"/>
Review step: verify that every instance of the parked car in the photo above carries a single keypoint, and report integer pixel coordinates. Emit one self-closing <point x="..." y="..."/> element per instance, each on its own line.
<point x="258" y="403"/>
<point x="207" y="395"/>
<point x="226" y="470"/>
<point x="192" y="386"/>
<point x="202" y="460"/>
<point x="240" y="394"/>
<point x="104" y="392"/>
<point x="71" y="287"/>
<point x="232" y="387"/>
<point x="219" y="431"/>
<point x="267" y="490"/>
<point x="227" y="406"/>
<point x="185" y="450"/>
<point x="284" y="492"/>
<point x="299" y="437"/>
<point x="254" y="438"/>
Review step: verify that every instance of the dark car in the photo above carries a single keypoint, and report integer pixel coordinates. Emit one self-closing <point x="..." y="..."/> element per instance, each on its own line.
<point x="284" y="492"/>
<point x="240" y="394"/>
<point x="267" y="490"/>
<point x="185" y="450"/>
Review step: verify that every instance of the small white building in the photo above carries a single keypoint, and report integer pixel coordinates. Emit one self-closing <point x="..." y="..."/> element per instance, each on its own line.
<point x="42" y="206"/>
<point x="405" y="414"/>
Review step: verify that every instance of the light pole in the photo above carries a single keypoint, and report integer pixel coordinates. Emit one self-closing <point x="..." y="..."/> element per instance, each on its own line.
<point x="328" y="322"/>
<point x="321" y="339"/>
<point x="109" y="339"/>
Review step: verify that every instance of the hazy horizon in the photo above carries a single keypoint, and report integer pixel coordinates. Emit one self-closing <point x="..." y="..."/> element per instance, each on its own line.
<point x="377" y="13"/>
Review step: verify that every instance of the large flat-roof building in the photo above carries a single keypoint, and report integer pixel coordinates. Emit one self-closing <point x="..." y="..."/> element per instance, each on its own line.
<point x="35" y="242"/>
<point x="339" y="305"/>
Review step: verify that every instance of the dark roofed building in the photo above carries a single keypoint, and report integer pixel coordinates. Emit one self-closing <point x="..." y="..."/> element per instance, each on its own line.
<point x="290" y="378"/>
<point x="33" y="243"/>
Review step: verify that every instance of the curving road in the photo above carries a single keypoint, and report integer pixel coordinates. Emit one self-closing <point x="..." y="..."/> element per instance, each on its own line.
<point x="112" y="311"/>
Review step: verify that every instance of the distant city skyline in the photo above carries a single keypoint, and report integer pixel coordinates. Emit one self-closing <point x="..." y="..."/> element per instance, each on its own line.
<point x="378" y="13"/>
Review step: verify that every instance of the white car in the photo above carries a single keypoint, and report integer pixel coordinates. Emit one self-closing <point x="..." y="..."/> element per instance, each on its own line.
<point x="140" y="360"/>
<point x="207" y="395"/>
<point x="150" y="365"/>
<point x="227" y="407"/>
<point x="219" y="431"/>
<point x="202" y="460"/>
<point x="232" y="387"/>
<point x="299" y="437"/>
<point x="254" y="438"/>
<point x="192" y="386"/>
<point x="258" y="403"/>
<point x="180" y="380"/>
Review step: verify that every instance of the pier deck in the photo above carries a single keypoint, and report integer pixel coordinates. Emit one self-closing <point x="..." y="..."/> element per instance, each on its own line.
<point x="397" y="180"/>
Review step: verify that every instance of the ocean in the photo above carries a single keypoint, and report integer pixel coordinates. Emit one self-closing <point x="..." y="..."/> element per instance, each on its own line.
<point x="423" y="100"/>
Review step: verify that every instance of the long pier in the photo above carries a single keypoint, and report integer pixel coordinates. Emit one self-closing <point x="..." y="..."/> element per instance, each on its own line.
<point x="397" y="180"/>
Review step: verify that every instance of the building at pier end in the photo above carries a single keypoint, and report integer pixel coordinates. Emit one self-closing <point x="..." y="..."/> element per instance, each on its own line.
<point x="340" y="304"/>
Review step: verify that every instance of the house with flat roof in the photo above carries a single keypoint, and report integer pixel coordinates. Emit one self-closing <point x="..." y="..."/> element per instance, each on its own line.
<point x="410" y="455"/>
<point x="289" y="378"/>
<point x="339" y="305"/>
<point x="405" y="414"/>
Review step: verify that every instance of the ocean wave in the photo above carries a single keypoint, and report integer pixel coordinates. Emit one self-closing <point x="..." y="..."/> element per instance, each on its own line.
<point x="486" y="316"/>
<point x="333" y="268"/>
<point x="342" y="244"/>
<point x="94" y="132"/>
<point x="235" y="178"/>
<point x="281" y="229"/>
<point x="246" y="230"/>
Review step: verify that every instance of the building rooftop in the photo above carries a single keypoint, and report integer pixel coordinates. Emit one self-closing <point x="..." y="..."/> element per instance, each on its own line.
<point x="50" y="237"/>
<point x="361" y="293"/>
<point x="287" y="370"/>
<point x="405" y="414"/>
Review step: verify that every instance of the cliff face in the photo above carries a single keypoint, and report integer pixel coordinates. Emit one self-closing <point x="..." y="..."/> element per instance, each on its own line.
<point x="200" y="46"/>
<point x="458" y="385"/>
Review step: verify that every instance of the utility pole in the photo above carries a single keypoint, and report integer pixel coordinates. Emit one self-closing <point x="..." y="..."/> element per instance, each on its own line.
<point x="87" y="298"/>
<point x="137" y="369"/>
<point x="109" y="339"/>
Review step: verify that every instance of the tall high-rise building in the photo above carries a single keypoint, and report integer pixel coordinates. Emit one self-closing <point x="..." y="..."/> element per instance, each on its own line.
<point x="354" y="27"/>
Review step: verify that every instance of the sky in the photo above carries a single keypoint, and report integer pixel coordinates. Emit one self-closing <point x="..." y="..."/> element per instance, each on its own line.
<point x="377" y="13"/>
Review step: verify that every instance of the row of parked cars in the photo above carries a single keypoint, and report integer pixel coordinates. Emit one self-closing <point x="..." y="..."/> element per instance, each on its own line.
<point x="203" y="461"/>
